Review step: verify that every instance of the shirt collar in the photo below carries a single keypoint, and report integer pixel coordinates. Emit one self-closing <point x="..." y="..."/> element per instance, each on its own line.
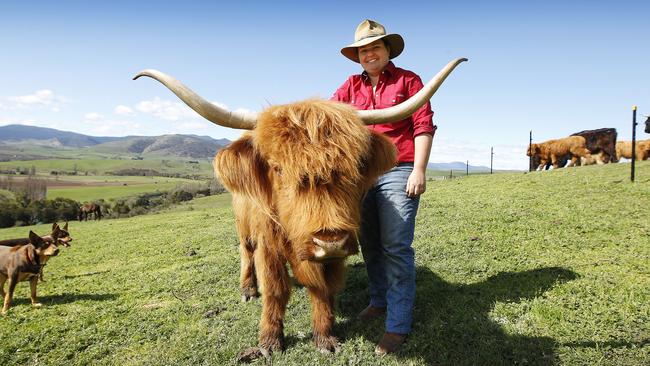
<point x="388" y="71"/>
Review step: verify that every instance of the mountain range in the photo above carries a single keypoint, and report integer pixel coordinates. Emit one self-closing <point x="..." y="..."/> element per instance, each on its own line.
<point x="52" y="140"/>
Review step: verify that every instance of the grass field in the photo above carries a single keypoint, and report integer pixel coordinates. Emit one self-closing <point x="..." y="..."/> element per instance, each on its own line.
<point x="92" y="188"/>
<point x="535" y="269"/>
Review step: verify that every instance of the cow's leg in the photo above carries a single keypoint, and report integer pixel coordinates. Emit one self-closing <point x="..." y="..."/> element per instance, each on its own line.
<point x="556" y="164"/>
<point x="247" y="277"/>
<point x="574" y="159"/>
<point x="32" y="286"/>
<point x="275" y="287"/>
<point x="322" y="314"/>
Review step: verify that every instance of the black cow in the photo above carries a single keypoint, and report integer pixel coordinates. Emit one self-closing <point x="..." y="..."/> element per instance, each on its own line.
<point x="647" y="125"/>
<point x="601" y="141"/>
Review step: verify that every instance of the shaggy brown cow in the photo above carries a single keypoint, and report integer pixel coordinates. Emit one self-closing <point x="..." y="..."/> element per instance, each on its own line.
<point x="297" y="181"/>
<point x="553" y="150"/>
<point x="89" y="208"/>
<point x="624" y="149"/>
<point x="600" y="142"/>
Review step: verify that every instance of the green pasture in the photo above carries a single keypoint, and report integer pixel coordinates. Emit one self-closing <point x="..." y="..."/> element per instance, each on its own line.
<point x="128" y="186"/>
<point x="537" y="268"/>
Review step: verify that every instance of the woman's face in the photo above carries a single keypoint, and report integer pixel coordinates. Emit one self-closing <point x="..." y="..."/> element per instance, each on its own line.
<point x="373" y="57"/>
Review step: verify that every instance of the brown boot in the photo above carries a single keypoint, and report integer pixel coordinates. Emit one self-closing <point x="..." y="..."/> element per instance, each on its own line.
<point x="390" y="343"/>
<point x="370" y="313"/>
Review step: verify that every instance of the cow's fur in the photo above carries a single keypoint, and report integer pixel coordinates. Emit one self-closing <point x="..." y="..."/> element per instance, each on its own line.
<point x="601" y="142"/>
<point x="297" y="180"/>
<point x="624" y="149"/>
<point x="553" y="150"/>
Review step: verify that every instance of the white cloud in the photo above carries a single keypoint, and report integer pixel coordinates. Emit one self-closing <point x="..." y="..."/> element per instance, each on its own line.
<point x="40" y="98"/>
<point x="167" y="110"/>
<point x="93" y="116"/>
<point x="123" y="110"/>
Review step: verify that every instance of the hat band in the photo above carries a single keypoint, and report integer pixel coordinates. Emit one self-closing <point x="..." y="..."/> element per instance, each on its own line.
<point x="370" y="36"/>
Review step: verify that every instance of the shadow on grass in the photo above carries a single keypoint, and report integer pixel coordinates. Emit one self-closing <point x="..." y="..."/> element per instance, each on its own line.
<point x="66" y="298"/>
<point x="451" y="323"/>
<point x="65" y="277"/>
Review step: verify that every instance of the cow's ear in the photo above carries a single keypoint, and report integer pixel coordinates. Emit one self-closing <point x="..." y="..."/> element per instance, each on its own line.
<point x="35" y="239"/>
<point x="241" y="169"/>
<point x="381" y="158"/>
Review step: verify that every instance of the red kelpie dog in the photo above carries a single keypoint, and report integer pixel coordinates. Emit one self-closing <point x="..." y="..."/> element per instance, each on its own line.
<point x="57" y="237"/>
<point x="22" y="263"/>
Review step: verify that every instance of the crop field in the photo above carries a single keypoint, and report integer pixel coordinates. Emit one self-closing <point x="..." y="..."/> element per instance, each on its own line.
<point x="539" y="268"/>
<point x="92" y="188"/>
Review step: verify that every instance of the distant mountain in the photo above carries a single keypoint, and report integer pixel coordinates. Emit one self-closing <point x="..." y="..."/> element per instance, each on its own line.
<point x="189" y="146"/>
<point x="176" y="145"/>
<point x="49" y="136"/>
<point x="457" y="165"/>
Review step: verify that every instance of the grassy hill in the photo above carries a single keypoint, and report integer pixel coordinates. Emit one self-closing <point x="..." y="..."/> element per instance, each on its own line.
<point x="539" y="268"/>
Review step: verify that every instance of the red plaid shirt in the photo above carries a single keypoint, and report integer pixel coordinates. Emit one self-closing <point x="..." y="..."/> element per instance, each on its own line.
<point x="395" y="86"/>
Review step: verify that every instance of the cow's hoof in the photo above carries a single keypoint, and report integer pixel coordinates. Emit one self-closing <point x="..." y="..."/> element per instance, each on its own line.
<point x="249" y="293"/>
<point x="327" y="344"/>
<point x="250" y="354"/>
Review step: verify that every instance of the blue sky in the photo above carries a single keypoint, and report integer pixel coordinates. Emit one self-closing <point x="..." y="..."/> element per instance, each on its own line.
<point x="553" y="67"/>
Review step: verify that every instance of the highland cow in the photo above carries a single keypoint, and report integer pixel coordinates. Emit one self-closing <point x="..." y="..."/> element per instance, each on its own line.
<point x="554" y="150"/>
<point x="641" y="148"/>
<point x="297" y="181"/>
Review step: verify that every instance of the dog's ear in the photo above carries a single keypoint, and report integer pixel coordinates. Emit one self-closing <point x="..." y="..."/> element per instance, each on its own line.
<point x="56" y="230"/>
<point x="65" y="227"/>
<point x="35" y="239"/>
<point x="54" y="226"/>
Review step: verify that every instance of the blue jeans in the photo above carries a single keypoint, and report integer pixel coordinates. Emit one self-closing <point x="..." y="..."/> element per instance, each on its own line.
<point x="387" y="228"/>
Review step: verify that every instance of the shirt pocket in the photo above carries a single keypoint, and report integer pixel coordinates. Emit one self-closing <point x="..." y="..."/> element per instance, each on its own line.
<point x="391" y="99"/>
<point x="360" y="102"/>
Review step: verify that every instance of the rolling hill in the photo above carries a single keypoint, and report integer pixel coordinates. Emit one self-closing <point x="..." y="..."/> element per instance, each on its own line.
<point x="18" y="142"/>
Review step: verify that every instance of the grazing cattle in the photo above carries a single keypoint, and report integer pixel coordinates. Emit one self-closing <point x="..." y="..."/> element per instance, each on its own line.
<point x="297" y="180"/>
<point x="89" y="208"/>
<point x="554" y="150"/>
<point x="600" y="142"/>
<point x="624" y="149"/>
<point x="647" y="125"/>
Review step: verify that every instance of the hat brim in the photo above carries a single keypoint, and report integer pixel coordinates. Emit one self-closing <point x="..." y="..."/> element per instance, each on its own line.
<point x="395" y="42"/>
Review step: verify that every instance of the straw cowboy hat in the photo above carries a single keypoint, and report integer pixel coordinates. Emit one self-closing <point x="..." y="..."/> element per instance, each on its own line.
<point x="369" y="31"/>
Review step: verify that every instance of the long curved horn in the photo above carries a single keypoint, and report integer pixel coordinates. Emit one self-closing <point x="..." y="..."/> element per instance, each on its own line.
<point x="217" y="115"/>
<point x="408" y="107"/>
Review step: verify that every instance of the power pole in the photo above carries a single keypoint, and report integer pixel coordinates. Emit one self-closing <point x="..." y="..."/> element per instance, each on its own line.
<point x="633" y="140"/>
<point x="467" y="168"/>
<point x="530" y="144"/>
<point x="491" y="158"/>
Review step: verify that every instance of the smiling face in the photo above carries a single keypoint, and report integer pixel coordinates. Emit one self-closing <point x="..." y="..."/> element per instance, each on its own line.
<point x="374" y="57"/>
